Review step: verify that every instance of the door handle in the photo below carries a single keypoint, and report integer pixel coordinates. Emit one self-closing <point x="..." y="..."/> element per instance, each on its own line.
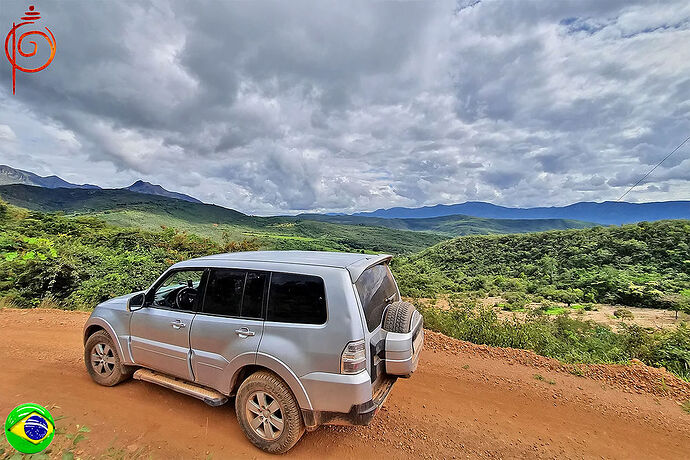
<point x="244" y="332"/>
<point x="177" y="324"/>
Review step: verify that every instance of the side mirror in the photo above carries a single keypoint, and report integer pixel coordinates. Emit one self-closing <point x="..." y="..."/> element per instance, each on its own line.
<point x="136" y="302"/>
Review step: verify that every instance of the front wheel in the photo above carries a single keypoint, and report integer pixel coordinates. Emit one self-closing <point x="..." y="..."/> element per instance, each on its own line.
<point x="268" y="413"/>
<point x="102" y="361"/>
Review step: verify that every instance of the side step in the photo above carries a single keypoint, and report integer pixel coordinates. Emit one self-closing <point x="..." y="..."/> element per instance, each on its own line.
<point x="210" y="397"/>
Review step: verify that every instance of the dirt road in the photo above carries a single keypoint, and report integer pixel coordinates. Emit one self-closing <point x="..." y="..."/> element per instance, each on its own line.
<point x="463" y="402"/>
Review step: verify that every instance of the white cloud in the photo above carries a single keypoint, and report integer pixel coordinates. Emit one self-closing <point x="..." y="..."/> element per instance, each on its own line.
<point x="7" y="134"/>
<point x="271" y="107"/>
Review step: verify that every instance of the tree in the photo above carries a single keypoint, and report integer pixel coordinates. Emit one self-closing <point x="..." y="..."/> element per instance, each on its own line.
<point x="682" y="303"/>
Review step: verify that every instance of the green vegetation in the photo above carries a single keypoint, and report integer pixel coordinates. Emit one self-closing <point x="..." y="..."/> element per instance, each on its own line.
<point x="345" y="233"/>
<point x="623" y="313"/>
<point x="567" y="339"/>
<point x="120" y="242"/>
<point x="122" y="208"/>
<point x="645" y="265"/>
<point x="542" y="379"/>
<point x="79" y="262"/>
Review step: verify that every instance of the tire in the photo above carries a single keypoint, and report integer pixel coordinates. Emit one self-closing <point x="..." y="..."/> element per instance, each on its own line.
<point x="398" y="317"/>
<point x="253" y="408"/>
<point x="102" y="361"/>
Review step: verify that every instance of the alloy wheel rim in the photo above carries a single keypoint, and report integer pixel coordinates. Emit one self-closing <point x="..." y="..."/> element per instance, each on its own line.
<point x="103" y="359"/>
<point x="265" y="415"/>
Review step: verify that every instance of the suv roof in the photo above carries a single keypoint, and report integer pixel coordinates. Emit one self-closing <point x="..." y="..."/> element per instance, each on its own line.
<point x="352" y="262"/>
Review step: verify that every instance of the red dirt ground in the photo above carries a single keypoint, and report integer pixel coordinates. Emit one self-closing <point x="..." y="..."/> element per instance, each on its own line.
<point x="465" y="401"/>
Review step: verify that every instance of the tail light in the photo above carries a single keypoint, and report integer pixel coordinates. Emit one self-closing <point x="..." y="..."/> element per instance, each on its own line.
<point x="354" y="358"/>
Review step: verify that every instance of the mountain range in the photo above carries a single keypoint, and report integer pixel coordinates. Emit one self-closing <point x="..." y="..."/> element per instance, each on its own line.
<point x="10" y="175"/>
<point x="607" y="212"/>
<point x="445" y="218"/>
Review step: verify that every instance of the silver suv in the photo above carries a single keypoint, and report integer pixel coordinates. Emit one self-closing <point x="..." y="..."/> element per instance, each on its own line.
<point x="299" y="338"/>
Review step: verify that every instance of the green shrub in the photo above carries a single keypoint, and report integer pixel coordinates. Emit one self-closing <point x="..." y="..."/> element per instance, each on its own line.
<point x="516" y="299"/>
<point x="567" y="339"/>
<point x="80" y="262"/>
<point x="623" y="313"/>
<point x="645" y="265"/>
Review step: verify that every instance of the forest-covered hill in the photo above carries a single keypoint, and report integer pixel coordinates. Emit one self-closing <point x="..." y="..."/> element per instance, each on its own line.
<point x="456" y="225"/>
<point x="124" y="208"/>
<point x="645" y="264"/>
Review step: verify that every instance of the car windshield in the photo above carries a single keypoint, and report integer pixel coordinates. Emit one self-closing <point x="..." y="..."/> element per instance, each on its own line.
<point x="376" y="288"/>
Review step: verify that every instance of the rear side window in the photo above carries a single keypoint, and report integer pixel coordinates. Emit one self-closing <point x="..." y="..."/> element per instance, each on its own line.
<point x="296" y="298"/>
<point x="224" y="292"/>
<point x="376" y="288"/>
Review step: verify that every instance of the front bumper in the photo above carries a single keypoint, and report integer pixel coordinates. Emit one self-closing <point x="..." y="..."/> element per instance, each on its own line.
<point x="359" y="414"/>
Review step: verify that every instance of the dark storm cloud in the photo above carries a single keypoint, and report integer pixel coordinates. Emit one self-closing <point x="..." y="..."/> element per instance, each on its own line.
<point x="341" y="106"/>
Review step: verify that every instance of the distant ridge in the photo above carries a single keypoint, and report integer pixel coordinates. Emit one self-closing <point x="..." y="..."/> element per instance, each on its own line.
<point x="608" y="212"/>
<point x="10" y="176"/>
<point x="111" y="201"/>
<point x="454" y="225"/>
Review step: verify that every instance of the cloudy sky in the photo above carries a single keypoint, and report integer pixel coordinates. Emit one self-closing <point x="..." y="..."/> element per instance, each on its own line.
<point x="284" y="107"/>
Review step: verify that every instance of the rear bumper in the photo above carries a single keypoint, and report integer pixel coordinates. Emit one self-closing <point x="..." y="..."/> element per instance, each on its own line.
<point x="359" y="414"/>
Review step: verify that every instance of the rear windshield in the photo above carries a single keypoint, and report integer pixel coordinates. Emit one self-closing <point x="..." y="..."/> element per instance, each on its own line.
<point x="376" y="289"/>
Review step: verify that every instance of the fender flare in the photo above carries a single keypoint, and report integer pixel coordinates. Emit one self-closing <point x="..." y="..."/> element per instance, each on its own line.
<point x="289" y="377"/>
<point x="100" y="322"/>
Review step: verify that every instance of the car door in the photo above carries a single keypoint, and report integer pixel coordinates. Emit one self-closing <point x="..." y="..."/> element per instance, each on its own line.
<point x="228" y="328"/>
<point x="159" y="332"/>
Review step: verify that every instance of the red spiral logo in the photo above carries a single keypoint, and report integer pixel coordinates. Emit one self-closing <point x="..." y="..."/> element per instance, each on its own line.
<point x="17" y="46"/>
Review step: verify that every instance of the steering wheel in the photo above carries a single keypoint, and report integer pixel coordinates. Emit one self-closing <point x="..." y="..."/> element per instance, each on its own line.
<point x="185" y="298"/>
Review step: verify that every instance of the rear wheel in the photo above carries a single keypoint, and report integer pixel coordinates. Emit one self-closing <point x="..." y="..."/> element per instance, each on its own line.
<point x="102" y="361"/>
<point x="268" y="413"/>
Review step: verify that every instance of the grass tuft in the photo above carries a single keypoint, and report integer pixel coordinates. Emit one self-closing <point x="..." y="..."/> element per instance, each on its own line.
<point x="686" y="406"/>
<point x="542" y="379"/>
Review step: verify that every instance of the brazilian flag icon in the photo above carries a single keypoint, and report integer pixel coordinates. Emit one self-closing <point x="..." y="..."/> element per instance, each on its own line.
<point x="29" y="428"/>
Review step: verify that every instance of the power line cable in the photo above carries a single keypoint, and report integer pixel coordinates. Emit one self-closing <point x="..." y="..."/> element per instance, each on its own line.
<point x="652" y="170"/>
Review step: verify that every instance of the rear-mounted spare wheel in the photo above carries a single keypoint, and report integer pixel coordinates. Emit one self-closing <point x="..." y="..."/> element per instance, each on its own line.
<point x="398" y="317"/>
<point x="404" y="338"/>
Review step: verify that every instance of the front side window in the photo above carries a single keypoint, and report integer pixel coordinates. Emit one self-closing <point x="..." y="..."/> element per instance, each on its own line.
<point x="296" y="298"/>
<point x="376" y="288"/>
<point x="179" y="290"/>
